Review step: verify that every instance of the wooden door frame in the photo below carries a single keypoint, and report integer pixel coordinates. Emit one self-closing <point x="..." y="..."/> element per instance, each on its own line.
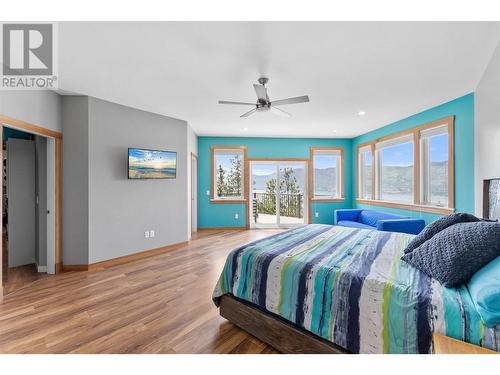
<point x="193" y="157"/>
<point x="38" y="130"/>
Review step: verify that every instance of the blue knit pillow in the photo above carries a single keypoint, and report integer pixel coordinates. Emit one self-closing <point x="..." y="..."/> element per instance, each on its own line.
<point x="437" y="226"/>
<point x="453" y="255"/>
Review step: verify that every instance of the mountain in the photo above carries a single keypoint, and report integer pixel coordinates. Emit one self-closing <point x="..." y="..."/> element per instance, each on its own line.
<point x="324" y="179"/>
<point x="399" y="180"/>
<point x="259" y="181"/>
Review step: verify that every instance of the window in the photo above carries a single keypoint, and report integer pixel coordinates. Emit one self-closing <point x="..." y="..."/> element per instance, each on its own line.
<point x="327" y="173"/>
<point x="434" y="162"/>
<point x="228" y="173"/>
<point x="365" y="169"/>
<point x="410" y="170"/>
<point x="395" y="170"/>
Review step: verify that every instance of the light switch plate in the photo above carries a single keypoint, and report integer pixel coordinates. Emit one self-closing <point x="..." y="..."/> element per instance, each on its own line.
<point x="146" y="234"/>
<point x="316" y="214"/>
<point x="236" y="216"/>
<point x="208" y="192"/>
<point x="151" y="233"/>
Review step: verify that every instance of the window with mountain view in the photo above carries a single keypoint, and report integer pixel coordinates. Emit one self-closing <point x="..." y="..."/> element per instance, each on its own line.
<point x="434" y="161"/>
<point x="412" y="168"/>
<point x="228" y="176"/>
<point x="327" y="167"/>
<point x="395" y="170"/>
<point x="365" y="169"/>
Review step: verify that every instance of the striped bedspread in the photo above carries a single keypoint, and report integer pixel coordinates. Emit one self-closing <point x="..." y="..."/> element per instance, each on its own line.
<point x="349" y="286"/>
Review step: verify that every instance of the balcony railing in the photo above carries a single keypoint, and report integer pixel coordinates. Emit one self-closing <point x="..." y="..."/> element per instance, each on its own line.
<point x="291" y="204"/>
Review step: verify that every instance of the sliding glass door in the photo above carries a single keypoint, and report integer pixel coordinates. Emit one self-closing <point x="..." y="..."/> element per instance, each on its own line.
<point x="278" y="193"/>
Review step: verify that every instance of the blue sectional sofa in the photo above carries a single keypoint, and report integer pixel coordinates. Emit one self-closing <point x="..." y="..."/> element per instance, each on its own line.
<point x="371" y="219"/>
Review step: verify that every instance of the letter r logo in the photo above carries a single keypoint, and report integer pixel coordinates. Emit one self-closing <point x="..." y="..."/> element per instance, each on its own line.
<point x="27" y="49"/>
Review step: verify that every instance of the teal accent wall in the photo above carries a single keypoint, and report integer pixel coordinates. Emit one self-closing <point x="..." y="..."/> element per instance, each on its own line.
<point x="14" y="133"/>
<point x="463" y="110"/>
<point x="222" y="215"/>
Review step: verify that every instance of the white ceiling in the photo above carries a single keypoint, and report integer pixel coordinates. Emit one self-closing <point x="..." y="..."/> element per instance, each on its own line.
<point x="178" y="69"/>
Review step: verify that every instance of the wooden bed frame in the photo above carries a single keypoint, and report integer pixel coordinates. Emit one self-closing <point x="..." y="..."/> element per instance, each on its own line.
<point x="274" y="330"/>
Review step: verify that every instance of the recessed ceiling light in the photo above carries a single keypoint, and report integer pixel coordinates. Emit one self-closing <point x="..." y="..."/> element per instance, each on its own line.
<point x="245" y="129"/>
<point x="361" y="113"/>
<point x="335" y="130"/>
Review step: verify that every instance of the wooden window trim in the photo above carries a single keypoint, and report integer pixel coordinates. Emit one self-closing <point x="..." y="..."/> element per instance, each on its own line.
<point x="415" y="133"/>
<point x="370" y="144"/>
<point x="409" y="207"/>
<point x="313" y="198"/>
<point x="228" y="201"/>
<point x="238" y="200"/>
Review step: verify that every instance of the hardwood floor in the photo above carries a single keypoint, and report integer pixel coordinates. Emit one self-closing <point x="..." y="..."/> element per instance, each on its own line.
<point x="20" y="277"/>
<point x="160" y="304"/>
<point x="17" y="277"/>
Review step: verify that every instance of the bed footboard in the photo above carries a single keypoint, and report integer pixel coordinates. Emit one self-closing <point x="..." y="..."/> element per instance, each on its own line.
<point x="273" y="330"/>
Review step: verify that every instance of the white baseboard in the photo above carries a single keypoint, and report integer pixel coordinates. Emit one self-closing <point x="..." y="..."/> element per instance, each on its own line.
<point x="41" y="268"/>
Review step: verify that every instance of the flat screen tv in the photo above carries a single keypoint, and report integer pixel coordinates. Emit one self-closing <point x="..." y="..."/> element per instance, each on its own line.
<point x="151" y="164"/>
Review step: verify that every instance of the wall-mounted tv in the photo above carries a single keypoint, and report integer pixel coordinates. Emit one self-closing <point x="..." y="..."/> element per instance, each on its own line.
<point x="151" y="164"/>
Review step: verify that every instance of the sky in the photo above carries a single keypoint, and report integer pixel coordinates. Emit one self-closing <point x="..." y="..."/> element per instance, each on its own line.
<point x="257" y="169"/>
<point x="402" y="155"/>
<point x="224" y="160"/>
<point x="152" y="158"/>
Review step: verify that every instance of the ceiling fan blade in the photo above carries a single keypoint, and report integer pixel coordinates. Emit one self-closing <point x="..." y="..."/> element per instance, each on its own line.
<point x="261" y="91"/>
<point x="280" y="112"/>
<point x="237" y="103"/>
<point x="246" y="114"/>
<point x="298" y="99"/>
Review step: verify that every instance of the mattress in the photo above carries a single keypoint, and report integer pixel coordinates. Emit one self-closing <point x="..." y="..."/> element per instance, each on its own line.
<point x="349" y="286"/>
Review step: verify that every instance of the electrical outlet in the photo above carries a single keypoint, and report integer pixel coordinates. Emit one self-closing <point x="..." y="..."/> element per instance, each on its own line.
<point x="236" y="216"/>
<point x="151" y="233"/>
<point x="316" y="214"/>
<point x="146" y="234"/>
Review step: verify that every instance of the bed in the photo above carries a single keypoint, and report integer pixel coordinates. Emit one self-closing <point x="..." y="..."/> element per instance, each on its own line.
<point x="345" y="289"/>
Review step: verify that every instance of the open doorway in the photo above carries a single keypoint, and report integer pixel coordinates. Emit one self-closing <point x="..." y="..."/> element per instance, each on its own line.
<point x="27" y="208"/>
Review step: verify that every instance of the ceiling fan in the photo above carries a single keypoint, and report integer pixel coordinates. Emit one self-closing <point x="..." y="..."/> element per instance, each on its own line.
<point x="264" y="104"/>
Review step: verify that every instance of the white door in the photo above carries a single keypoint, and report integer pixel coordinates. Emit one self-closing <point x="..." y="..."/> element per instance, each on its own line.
<point x="278" y="194"/>
<point x="21" y="197"/>
<point x="194" y="194"/>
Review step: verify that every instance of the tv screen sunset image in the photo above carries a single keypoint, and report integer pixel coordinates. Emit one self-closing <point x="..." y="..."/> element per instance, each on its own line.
<point x="144" y="164"/>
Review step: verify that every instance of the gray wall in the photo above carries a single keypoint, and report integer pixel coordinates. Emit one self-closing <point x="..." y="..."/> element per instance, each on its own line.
<point x="120" y="210"/>
<point x="75" y="180"/>
<point x="41" y="208"/>
<point x="487" y="127"/>
<point x="102" y="210"/>
<point x="42" y="108"/>
<point x="21" y="195"/>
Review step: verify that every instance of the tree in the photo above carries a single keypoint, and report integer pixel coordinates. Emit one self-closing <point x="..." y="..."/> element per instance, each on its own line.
<point x="235" y="180"/>
<point x="230" y="183"/>
<point x="269" y="200"/>
<point x="288" y="183"/>
<point x="221" y="182"/>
